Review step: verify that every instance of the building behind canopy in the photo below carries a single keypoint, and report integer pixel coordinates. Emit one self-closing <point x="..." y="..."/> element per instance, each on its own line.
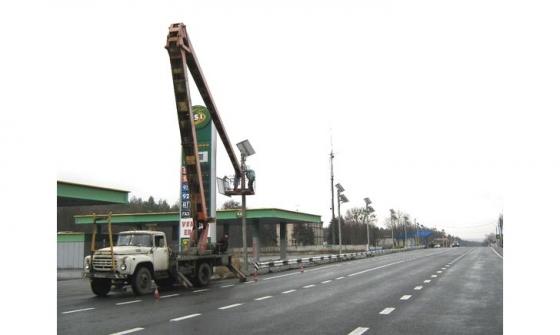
<point x="265" y="226"/>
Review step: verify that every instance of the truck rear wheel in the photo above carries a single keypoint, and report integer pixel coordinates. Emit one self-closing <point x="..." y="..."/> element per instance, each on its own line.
<point x="203" y="274"/>
<point x="100" y="287"/>
<point x="142" y="281"/>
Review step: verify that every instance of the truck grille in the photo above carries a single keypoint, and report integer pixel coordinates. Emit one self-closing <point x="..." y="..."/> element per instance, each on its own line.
<point x="103" y="263"/>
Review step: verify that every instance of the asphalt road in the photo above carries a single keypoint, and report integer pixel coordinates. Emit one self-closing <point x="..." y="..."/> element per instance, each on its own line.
<point x="429" y="291"/>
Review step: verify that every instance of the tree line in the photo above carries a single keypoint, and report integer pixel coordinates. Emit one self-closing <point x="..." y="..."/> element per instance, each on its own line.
<point x="354" y="224"/>
<point x="65" y="215"/>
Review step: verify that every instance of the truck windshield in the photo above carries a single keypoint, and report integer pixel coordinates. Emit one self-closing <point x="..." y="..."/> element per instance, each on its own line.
<point x="139" y="240"/>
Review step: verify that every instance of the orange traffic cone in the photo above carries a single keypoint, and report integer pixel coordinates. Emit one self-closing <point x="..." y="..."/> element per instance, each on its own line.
<point x="255" y="277"/>
<point x="156" y="293"/>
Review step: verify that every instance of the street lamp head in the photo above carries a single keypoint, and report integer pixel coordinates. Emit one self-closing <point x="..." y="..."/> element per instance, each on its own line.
<point x="343" y="198"/>
<point x="368" y="202"/>
<point x="245" y="148"/>
<point x="339" y="188"/>
<point x="392" y="212"/>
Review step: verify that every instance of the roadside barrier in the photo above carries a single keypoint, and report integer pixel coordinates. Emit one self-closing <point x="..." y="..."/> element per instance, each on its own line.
<point x="302" y="262"/>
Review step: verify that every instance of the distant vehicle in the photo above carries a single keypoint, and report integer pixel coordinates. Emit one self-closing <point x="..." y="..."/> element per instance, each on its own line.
<point x="455" y="244"/>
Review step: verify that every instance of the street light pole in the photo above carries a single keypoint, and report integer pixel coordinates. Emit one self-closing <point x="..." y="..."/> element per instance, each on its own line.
<point x="340" y="198"/>
<point x="366" y="213"/>
<point x="244" y="217"/>
<point x="417" y="236"/>
<point x="405" y="222"/>
<point x="393" y="216"/>
<point x="246" y="149"/>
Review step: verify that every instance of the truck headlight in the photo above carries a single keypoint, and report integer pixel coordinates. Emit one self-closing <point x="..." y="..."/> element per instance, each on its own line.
<point x="123" y="267"/>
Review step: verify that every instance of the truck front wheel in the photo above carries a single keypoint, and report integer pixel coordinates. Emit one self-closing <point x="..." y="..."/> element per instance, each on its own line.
<point x="101" y="287"/>
<point x="141" y="281"/>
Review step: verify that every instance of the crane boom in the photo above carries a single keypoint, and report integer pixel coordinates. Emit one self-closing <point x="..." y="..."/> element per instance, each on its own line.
<point x="178" y="42"/>
<point x="183" y="59"/>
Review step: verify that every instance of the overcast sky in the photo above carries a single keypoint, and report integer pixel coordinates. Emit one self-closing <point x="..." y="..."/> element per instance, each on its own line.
<point x="418" y="100"/>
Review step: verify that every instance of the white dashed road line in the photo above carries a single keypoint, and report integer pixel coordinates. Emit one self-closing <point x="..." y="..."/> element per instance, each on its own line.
<point x="185" y="317"/>
<point x="128" y="302"/>
<point x="263" y="298"/>
<point x="78" y="310"/>
<point x="230" y="306"/>
<point x="128" y="331"/>
<point x="387" y="310"/>
<point x="359" y="331"/>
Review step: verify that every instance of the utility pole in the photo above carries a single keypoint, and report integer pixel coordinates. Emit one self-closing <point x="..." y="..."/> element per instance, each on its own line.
<point x="332" y="193"/>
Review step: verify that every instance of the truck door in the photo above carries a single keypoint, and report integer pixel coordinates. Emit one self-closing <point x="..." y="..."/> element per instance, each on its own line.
<point x="161" y="256"/>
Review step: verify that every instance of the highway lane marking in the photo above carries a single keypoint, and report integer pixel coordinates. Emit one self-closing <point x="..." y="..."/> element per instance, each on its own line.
<point x="418" y="287"/>
<point x="230" y="306"/>
<point x="387" y="310"/>
<point x="359" y="331"/>
<point x="280" y="276"/>
<point x="290" y="291"/>
<point x="128" y="302"/>
<point x="339" y="278"/>
<point x="308" y="286"/>
<point x="434" y="276"/>
<point x="224" y="286"/>
<point x="376" y="268"/>
<point x="326" y="281"/>
<point x="263" y="298"/>
<point x="497" y="253"/>
<point x="78" y="310"/>
<point x="185" y="317"/>
<point x="439" y="271"/>
<point x="405" y="297"/>
<point x="128" y="331"/>
<point x="294" y="273"/>
<point x="427" y="281"/>
<point x="169" y="295"/>
<point x="201" y="290"/>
